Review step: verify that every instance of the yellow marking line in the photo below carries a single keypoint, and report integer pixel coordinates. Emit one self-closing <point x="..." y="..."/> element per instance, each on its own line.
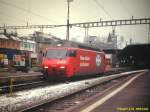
<point x="107" y="97"/>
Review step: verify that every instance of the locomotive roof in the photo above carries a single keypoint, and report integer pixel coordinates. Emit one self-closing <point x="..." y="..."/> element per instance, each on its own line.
<point x="74" y="44"/>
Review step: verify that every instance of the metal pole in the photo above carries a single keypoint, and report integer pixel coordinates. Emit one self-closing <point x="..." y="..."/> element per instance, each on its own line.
<point x="85" y="36"/>
<point x="149" y="34"/>
<point x="87" y="33"/>
<point x="67" y="37"/>
<point x="11" y="86"/>
<point x="4" y="29"/>
<point x="86" y="39"/>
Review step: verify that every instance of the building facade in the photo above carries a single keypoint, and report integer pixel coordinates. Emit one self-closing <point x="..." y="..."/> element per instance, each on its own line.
<point x="11" y="46"/>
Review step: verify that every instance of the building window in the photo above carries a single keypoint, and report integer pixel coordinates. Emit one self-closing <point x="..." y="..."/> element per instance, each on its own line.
<point x="25" y="45"/>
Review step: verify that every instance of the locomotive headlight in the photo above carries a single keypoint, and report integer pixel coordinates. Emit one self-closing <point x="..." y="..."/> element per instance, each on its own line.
<point x="45" y="67"/>
<point x="62" y="67"/>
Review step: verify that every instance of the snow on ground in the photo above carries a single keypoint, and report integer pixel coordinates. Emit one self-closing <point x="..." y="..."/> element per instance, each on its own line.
<point x="28" y="98"/>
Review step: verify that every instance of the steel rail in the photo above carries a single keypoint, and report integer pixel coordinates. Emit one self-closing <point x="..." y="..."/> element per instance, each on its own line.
<point x="59" y="92"/>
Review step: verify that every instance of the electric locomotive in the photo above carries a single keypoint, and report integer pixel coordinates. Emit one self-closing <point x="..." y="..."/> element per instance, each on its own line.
<point x="68" y="59"/>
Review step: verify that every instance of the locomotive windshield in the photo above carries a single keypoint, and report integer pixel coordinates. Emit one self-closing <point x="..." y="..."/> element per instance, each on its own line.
<point x="56" y="53"/>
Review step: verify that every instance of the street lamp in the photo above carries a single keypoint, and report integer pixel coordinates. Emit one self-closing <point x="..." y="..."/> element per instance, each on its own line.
<point x="68" y="2"/>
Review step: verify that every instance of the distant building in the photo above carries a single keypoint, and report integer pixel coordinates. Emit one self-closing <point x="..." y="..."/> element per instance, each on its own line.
<point x="109" y="47"/>
<point x="95" y="41"/>
<point x="27" y="45"/>
<point x="9" y="41"/>
<point x="12" y="45"/>
<point x="43" y="40"/>
<point x="112" y="39"/>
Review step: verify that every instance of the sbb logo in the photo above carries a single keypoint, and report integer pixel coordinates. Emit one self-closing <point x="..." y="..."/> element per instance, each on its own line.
<point x="98" y="60"/>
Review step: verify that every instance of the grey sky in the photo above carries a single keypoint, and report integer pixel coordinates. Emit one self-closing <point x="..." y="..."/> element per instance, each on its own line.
<point x="19" y="12"/>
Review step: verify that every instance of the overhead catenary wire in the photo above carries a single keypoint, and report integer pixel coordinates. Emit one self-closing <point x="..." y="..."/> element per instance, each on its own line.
<point x="26" y="10"/>
<point x="13" y="18"/>
<point x="102" y="7"/>
<point x="9" y="22"/>
<point x="108" y="14"/>
<point x="126" y="9"/>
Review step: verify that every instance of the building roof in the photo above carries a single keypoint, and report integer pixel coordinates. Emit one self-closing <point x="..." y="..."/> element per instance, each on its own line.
<point x="137" y="50"/>
<point x="26" y="40"/>
<point x="2" y="36"/>
<point x="15" y="38"/>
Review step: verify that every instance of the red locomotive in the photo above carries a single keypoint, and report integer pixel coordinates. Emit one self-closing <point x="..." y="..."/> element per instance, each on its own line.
<point x="68" y="59"/>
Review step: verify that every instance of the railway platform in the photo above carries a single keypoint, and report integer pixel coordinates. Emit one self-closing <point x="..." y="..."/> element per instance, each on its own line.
<point x="132" y="95"/>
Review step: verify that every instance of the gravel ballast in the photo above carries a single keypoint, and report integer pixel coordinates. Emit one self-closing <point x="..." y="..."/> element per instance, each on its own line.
<point x="22" y="100"/>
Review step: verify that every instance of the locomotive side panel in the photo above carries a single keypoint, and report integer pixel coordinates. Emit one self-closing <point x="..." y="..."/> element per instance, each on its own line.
<point x="90" y="62"/>
<point x="72" y="66"/>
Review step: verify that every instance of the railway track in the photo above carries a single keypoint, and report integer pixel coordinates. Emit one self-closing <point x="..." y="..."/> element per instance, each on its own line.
<point x="21" y="86"/>
<point x="55" y="92"/>
<point x="19" y="77"/>
<point x="71" y="102"/>
<point x="18" y="85"/>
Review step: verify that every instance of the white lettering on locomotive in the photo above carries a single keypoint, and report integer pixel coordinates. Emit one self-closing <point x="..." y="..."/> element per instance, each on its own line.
<point x="84" y="64"/>
<point x="84" y="61"/>
<point x="84" y="58"/>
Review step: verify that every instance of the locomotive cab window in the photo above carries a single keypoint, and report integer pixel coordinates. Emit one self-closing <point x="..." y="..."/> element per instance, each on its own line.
<point x="56" y="53"/>
<point x="71" y="53"/>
